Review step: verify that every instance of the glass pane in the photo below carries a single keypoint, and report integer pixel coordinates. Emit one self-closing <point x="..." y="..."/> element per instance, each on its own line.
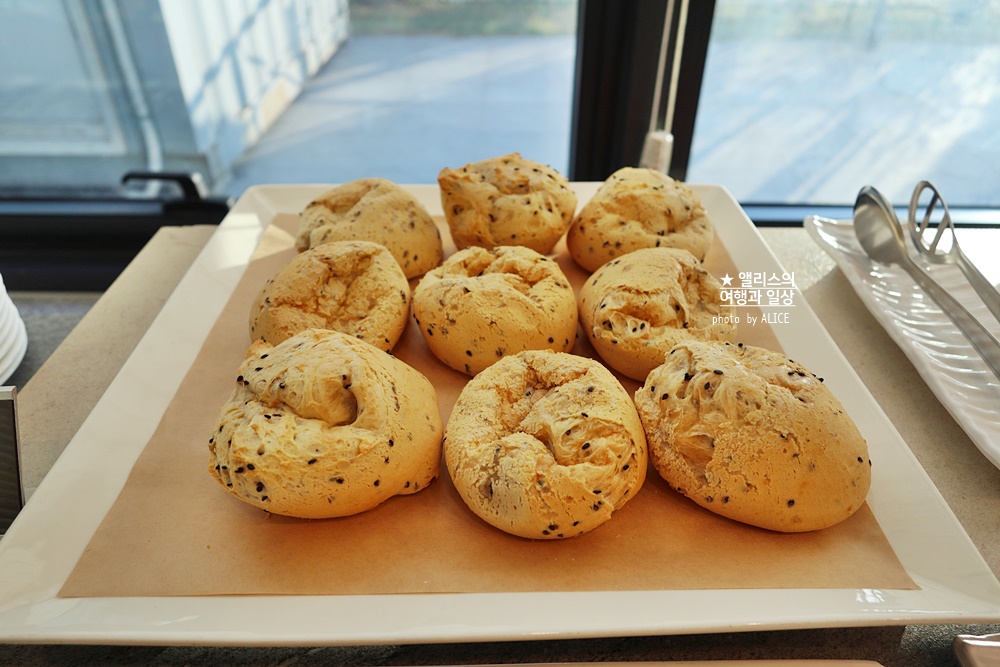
<point x="57" y="110"/>
<point x="277" y="92"/>
<point x="55" y="100"/>
<point x="92" y="90"/>
<point x="805" y="102"/>
<point x="419" y="86"/>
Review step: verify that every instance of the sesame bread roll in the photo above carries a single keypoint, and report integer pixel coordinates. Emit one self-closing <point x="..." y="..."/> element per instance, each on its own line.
<point x="354" y="287"/>
<point x="324" y="425"/>
<point x="753" y="436"/>
<point x="376" y="210"/>
<point x="634" y="309"/>
<point x="506" y="200"/>
<point x="545" y="445"/>
<point x="481" y="305"/>
<point x="634" y="209"/>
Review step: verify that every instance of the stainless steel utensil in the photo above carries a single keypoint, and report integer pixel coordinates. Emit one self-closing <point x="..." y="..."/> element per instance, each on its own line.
<point x="880" y="234"/>
<point x="943" y="248"/>
<point x="977" y="651"/>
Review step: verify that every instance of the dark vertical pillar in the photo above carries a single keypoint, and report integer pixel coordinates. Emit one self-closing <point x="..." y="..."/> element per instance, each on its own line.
<point x="618" y="48"/>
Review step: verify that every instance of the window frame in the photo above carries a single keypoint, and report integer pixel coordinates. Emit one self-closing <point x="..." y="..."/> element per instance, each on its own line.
<point x="617" y="50"/>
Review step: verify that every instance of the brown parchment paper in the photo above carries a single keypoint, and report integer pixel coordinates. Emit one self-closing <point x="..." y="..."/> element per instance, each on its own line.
<point x="174" y="531"/>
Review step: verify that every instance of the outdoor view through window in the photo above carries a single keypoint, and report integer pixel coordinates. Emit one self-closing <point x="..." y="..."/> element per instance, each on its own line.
<point x="809" y="101"/>
<point x="802" y="102"/>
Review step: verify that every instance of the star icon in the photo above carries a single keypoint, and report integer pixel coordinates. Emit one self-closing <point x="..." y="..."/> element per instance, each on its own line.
<point x="727" y="280"/>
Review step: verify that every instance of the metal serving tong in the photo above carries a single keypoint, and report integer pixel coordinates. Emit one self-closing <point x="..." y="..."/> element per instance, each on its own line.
<point x="948" y="252"/>
<point x="881" y="235"/>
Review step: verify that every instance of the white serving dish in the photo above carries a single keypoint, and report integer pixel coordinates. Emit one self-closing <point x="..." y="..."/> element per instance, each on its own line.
<point x="43" y="545"/>
<point x="945" y="359"/>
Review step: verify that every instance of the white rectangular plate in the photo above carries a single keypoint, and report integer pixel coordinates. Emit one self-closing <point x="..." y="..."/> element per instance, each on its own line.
<point x="43" y="545"/>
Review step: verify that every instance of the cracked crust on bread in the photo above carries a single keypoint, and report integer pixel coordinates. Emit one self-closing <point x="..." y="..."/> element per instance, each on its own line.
<point x="638" y="208"/>
<point x="635" y="308"/>
<point x="506" y="200"/>
<point x="376" y="210"/>
<point x="750" y="434"/>
<point x="324" y="425"/>
<point x="355" y="287"/>
<point x="545" y="445"/>
<point x="482" y="305"/>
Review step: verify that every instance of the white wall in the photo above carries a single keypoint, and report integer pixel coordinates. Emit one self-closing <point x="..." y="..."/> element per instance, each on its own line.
<point x="241" y="62"/>
<point x="90" y="89"/>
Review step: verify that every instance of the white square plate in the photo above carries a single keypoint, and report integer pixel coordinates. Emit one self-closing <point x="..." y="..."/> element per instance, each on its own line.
<point x="43" y="545"/>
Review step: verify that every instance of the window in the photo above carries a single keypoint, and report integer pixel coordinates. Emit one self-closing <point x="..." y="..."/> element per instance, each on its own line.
<point x="92" y="89"/>
<point x="781" y="101"/>
<point x="277" y="91"/>
<point x="419" y="86"/>
<point x="806" y="102"/>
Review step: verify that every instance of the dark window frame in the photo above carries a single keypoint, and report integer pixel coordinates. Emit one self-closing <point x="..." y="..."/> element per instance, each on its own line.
<point x="69" y="244"/>
<point x="618" y="47"/>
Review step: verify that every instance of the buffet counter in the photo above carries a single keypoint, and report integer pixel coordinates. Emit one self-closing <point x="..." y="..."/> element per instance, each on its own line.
<point x="63" y="392"/>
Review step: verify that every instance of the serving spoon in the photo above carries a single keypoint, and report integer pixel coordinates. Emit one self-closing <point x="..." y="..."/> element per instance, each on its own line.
<point x="880" y="234"/>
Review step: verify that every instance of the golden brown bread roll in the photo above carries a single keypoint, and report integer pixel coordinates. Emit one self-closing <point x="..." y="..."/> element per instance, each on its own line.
<point x="355" y="287"/>
<point x="635" y="308"/>
<point x="634" y="209"/>
<point x="481" y="305"/>
<point x="324" y="425"/>
<point x="545" y="445"/>
<point x="376" y="210"/>
<point x="751" y="435"/>
<point x="506" y="200"/>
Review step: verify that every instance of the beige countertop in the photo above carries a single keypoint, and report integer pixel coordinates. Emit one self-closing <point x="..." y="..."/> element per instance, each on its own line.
<point x="63" y="392"/>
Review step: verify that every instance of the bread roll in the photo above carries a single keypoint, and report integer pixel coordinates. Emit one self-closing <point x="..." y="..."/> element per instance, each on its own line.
<point x="634" y="209"/>
<point x="481" y="305"/>
<point x="355" y="287"/>
<point x="324" y="425"/>
<point x="545" y="445"/>
<point x="376" y="210"/>
<point x="634" y="309"/>
<point x="506" y="200"/>
<point x="751" y="435"/>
